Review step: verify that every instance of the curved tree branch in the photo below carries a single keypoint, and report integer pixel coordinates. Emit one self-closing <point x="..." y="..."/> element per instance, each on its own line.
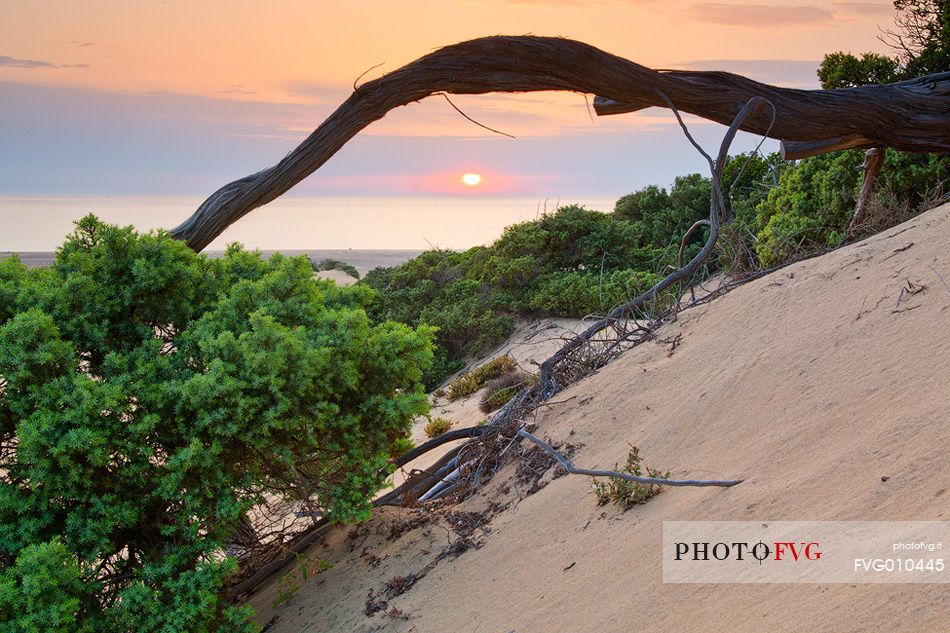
<point x="911" y="115"/>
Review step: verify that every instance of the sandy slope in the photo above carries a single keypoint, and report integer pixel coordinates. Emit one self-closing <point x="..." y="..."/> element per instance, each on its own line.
<point x="811" y="383"/>
<point x="341" y="278"/>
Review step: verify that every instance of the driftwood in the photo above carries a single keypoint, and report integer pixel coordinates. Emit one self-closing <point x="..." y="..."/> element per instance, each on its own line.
<point x="655" y="481"/>
<point x="911" y="115"/>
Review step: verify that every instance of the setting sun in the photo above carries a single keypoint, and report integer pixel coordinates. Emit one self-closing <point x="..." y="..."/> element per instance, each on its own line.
<point x="471" y="179"/>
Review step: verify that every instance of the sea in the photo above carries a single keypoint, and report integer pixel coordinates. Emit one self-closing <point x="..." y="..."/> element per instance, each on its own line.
<point x="365" y="232"/>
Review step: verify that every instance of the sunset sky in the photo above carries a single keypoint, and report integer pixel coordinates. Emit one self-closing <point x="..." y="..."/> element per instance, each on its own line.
<point x="177" y="98"/>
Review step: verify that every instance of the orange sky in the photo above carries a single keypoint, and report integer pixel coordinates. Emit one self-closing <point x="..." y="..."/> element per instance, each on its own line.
<point x="238" y="83"/>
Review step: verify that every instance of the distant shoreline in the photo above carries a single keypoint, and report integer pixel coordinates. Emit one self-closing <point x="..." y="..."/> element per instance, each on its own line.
<point x="362" y="260"/>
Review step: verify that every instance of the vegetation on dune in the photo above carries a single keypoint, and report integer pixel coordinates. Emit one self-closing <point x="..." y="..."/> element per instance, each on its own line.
<point x="576" y="262"/>
<point x="500" y="390"/>
<point x="624" y="493"/>
<point x="328" y="263"/>
<point x="150" y="397"/>
<point x="437" y="426"/>
<point x="474" y="380"/>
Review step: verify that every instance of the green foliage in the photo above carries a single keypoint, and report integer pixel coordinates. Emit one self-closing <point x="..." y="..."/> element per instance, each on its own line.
<point x="624" y="493"/>
<point x="472" y="381"/>
<point x="923" y="35"/>
<point x="811" y="207"/>
<point x="844" y="70"/>
<point x="441" y="367"/>
<point x="814" y="202"/>
<point x="437" y="426"/>
<point x="149" y="397"/>
<point x="571" y="263"/>
<point x="329" y="263"/>
<point x="922" y="41"/>
<point x="589" y="293"/>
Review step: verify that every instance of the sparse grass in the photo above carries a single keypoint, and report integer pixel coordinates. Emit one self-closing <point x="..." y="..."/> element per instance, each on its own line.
<point x="627" y="494"/>
<point x="501" y="390"/>
<point x="472" y="381"/>
<point x="437" y="426"/>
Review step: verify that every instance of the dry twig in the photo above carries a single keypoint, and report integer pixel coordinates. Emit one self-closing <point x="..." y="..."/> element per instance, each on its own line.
<point x="657" y="481"/>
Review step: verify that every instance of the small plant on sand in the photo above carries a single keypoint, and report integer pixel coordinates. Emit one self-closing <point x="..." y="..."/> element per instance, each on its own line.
<point x="471" y="382"/>
<point x="627" y="494"/>
<point x="437" y="426"/>
<point x="500" y="390"/>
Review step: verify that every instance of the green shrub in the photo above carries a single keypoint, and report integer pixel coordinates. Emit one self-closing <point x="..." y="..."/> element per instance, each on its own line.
<point x="472" y="381"/>
<point x="624" y="493"/>
<point x="581" y="294"/>
<point x="437" y="426"/>
<point x="150" y="396"/>
<point x="463" y="386"/>
<point x="811" y="207"/>
<point x="441" y="367"/>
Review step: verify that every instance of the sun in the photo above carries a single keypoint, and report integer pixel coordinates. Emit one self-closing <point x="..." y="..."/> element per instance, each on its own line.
<point x="471" y="179"/>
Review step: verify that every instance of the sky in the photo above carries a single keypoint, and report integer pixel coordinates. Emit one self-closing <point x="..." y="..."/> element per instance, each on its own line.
<point x="171" y="98"/>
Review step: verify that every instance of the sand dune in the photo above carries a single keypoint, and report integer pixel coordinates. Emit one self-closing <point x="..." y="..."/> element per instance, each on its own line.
<point x="814" y="384"/>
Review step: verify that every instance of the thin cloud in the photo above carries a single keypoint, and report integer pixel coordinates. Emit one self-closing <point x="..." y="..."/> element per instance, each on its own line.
<point x="760" y="14"/>
<point x="864" y="8"/>
<point x="15" y="62"/>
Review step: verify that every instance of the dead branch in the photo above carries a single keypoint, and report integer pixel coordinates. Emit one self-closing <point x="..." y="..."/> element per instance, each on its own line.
<point x="548" y="380"/>
<point x="911" y="115"/>
<point x="657" y="481"/>
<point x="444" y="438"/>
<point x="873" y="161"/>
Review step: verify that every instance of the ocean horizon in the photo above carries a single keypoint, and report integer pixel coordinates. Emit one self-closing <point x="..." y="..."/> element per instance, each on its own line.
<point x="291" y="223"/>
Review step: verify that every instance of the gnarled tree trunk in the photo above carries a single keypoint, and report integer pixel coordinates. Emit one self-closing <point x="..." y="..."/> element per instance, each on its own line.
<point x="912" y="115"/>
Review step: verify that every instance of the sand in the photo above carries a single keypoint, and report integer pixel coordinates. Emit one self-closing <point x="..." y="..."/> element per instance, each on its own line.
<point x="812" y="383"/>
<point x="341" y="278"/>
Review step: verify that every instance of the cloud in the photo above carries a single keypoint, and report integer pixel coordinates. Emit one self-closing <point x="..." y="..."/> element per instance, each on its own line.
<point x="864" y="9"/>
<point x="14" y="62"/>
<point x="760" y="14"/>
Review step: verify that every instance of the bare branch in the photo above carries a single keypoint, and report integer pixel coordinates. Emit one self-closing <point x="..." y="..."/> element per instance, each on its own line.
<point x="911" y="115"/>
<point x="657" y="481"/>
